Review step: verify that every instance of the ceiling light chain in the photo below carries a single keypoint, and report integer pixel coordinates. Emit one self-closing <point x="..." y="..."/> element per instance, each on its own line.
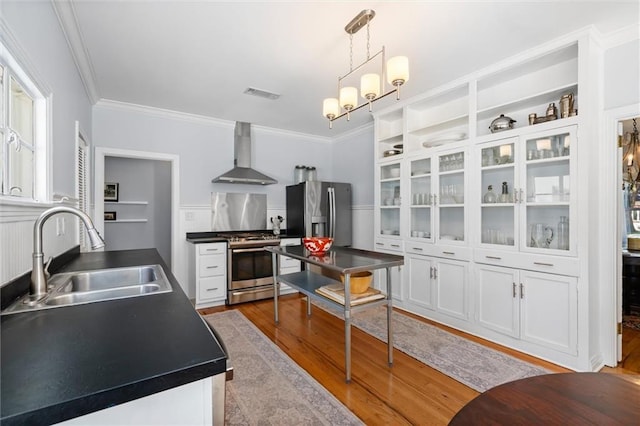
<point x="350" y="52"/>
<point x="368" y="36"/>
<point x="396" y="72"/>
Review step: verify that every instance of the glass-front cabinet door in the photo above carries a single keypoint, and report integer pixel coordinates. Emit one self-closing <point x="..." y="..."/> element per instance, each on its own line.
<point x="498" y="187"/>
<point x="451" y="200"/>
<point x="548" y="179"/>
<point x="390" y="199"/>
<point x="421" y="210"/>
<point x="526" y="201"/>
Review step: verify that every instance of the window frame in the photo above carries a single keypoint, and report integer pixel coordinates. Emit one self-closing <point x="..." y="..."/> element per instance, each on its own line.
<point x="18" y="67"/>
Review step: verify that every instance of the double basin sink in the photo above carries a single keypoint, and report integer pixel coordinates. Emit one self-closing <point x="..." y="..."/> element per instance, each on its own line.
<point x="75" y="288"/>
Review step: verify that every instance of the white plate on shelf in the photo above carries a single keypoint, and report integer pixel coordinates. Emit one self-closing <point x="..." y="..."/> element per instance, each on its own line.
<point x="442" y="139"/>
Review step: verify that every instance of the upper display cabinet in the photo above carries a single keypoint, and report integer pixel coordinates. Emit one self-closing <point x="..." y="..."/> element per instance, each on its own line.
<point x="530" y="92"/>
<point x="438" y="119"/>
<point x="521" y="92"/>
<point x="389" y="134"/>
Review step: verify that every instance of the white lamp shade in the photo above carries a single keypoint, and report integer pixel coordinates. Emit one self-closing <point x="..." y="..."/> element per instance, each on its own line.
<point x="398" y="70"/>
<point x="330" y="107"/>
<point x="348" y="97"/>
<point x="370" y="86"/>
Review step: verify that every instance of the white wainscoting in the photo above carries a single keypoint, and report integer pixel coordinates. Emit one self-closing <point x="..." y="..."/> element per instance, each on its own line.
<point x="197" y="218"/>
<point x="16" y="237"/>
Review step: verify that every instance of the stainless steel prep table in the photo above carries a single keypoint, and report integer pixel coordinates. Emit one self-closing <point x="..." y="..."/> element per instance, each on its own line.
<point x="346" y="261"/>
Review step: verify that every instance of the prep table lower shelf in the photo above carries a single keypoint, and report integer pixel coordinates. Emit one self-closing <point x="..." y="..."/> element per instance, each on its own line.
<point x="308" y="282"/>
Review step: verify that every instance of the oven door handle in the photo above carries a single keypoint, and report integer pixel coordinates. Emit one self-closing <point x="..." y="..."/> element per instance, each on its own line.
<point x="247" y="250"/>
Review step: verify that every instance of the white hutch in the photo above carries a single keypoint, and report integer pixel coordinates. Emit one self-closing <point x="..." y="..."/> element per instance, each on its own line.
<point x="501" y="267"/>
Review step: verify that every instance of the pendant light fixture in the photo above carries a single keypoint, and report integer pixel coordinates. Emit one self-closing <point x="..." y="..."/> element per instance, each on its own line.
<point x="631" y="159"/>
<point x="372" y="85"/>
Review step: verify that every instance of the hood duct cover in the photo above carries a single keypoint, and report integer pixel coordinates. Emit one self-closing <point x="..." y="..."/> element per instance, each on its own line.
<point x="242" y="171"/>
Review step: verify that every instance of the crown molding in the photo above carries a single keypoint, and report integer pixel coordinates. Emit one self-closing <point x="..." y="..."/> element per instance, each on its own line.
<point x="161" y="113"/>
<point x="71" y="30"/>
<point x="197" y="119"/>
<point x="622" y="36"/>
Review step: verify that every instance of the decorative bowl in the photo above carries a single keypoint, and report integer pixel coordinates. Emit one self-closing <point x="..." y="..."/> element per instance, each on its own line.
<point x="359" y="282"/>
<point x="317" y="245"/>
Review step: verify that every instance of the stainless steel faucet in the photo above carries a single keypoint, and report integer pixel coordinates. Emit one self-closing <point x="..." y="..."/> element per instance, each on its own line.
<point x="38" y="278"/>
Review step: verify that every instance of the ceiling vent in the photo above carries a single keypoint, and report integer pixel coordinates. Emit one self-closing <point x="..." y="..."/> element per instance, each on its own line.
<point x="261" y="93"/>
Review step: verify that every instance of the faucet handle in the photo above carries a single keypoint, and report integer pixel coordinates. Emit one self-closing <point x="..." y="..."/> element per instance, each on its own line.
<point x="46" y="267"/>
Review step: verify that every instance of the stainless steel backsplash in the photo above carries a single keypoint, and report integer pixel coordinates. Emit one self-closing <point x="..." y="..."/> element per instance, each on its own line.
<point x="238" y="212"/>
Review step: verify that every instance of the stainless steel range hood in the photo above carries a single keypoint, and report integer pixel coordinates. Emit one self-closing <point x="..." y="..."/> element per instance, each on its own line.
<point x="242" y="171"/>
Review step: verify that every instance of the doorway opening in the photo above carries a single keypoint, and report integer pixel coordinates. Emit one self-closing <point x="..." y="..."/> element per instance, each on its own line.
<point x="628" y="356"/>
<point x="144" y="192"/>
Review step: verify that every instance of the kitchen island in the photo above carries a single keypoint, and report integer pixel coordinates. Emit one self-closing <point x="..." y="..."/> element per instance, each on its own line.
<point x="66" y="362"/>
<point x="343" y="260"/>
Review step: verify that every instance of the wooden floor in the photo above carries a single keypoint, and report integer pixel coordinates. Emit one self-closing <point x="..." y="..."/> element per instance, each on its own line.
<point x="630" y="363"/>
<point x="407" y="393"/>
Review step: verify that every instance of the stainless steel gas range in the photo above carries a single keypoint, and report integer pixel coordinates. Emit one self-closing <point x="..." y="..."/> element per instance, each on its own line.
<point x="249" y="265"/>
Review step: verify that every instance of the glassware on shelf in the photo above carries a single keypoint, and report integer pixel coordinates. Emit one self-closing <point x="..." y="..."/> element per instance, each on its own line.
<point x="489" y="196"/>
<point x="505" y="197"/>
<point x="563" y="233"/>
<point x="487" y="157"/>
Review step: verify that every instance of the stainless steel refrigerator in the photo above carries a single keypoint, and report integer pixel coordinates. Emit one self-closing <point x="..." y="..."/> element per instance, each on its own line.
<point x="320" y="209"/>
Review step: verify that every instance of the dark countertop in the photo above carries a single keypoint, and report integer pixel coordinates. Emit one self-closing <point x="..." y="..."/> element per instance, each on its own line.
<point x="62" y="363"/>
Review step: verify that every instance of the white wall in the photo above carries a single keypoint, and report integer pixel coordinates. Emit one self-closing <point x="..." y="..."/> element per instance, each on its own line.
<point x="622" y="75"/>
<point x="205" y="148"/>
<point x="34" y="28"/>
<point x="143" y="181"/>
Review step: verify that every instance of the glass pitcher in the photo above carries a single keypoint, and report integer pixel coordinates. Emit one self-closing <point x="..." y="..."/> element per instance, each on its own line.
<point x="541" y="235"/>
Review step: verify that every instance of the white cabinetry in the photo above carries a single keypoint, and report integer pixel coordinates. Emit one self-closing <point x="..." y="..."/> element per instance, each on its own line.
<point x="189" y="404"/>
<point x="437" y="284"/>
<point x="390" y="246"/>
<point x="535" y="307"/>
<point x="288" y="265"/>
<point x="529" y="235"/>
<point x="533" y="181"/>
<point x="209" y="272"/>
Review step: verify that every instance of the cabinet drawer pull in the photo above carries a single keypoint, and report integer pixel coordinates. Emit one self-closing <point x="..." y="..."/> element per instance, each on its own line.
<point x="543" y="264"/>
<point x="395" y="245"/>
<point x="494" y="257"/>
<point x="212" y="289"/>
<point x="416" y="248"/>
<point x="379" y="244"/>
<point x="212" y="249"/>
<point x="212" y="267"/>
<point x="450" y="253"/>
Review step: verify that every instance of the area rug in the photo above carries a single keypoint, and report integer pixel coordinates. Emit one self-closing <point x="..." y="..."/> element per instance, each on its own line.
<point x="470" y="363"/>
<point x="631" y="321"/>
<point x="268" y="388"/>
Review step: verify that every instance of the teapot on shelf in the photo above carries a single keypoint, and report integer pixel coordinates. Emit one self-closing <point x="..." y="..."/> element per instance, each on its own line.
<point x="276" y="224"/>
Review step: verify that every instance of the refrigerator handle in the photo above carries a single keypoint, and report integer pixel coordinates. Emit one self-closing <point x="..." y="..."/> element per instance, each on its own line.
<point x="332" y="212"/>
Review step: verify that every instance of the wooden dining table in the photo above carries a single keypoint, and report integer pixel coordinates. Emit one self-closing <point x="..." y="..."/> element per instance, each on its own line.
<point x="557" y="399"/>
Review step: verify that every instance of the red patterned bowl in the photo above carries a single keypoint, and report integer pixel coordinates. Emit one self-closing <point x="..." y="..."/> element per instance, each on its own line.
<point x="317" y="245"/>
